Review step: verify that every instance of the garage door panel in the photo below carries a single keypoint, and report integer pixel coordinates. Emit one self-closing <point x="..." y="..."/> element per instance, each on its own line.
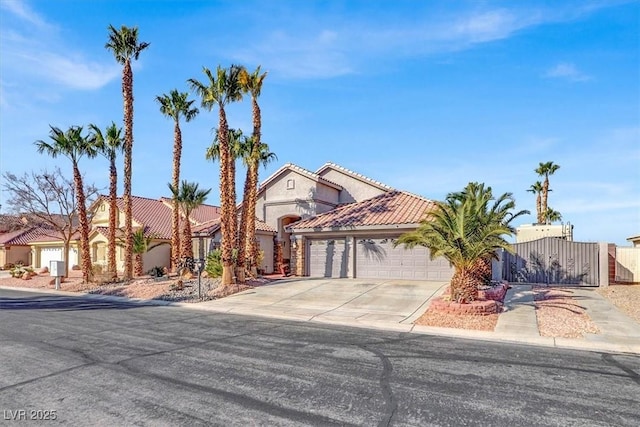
<point x="328" y="258"/>
<point x="379" y="259"/>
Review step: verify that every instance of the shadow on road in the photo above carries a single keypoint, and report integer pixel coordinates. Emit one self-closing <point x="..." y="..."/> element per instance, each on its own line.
<point x="62" y="303"/>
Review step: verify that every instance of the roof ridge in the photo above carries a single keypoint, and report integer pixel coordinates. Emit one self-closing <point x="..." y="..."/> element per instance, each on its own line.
<point x="356" y="174"/>
<point x="416" y="195"/>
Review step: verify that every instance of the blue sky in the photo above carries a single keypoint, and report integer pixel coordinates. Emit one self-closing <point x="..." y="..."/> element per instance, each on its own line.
<point x="423" y="96"/>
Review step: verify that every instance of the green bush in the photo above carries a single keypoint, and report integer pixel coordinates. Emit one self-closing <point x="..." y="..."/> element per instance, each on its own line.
<point x="214" y="264"/>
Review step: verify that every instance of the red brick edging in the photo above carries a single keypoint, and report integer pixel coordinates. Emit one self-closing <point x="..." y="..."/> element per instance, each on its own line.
<point x="489" y="302"/>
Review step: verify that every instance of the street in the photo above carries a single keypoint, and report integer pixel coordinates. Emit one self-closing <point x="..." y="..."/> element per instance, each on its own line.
<point x="97" y="362"/>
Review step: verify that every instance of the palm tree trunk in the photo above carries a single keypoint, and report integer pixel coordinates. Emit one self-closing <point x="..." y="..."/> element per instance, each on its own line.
<point x="539" y="207"/>
<point x="226" y="200"/>
<point x="253" y="189"/>
<point x="187" y="245"/>
<point x="127" y="92"/>
<point x="242" y="263"/>
<point x="545" y="195"/>
<point x="464" y="286"/>
<point x="113" y="189"/>
<point x="137" y="265"/>
<point x="175" y="219"/>
<point x="87" y="272"/>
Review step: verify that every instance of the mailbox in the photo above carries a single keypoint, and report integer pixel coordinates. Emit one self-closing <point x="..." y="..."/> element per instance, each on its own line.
<point x="56" y="269"/>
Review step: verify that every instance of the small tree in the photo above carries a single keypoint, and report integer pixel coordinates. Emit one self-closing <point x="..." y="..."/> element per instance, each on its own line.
<point x="189" y="197"/>
<point x="47" y="199"/>
<point x="141" y="245"/>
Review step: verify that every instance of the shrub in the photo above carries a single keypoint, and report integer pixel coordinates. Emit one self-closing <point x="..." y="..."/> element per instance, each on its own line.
<point x="97" y="268"/>
<point x="214" y="264"/>
<point x="19" y="271"/>
<point x="8" y="266"/>
<point x="157" y="271"/>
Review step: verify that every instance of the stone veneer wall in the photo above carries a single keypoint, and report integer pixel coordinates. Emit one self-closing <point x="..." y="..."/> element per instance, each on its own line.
<point x="297" y="258"/>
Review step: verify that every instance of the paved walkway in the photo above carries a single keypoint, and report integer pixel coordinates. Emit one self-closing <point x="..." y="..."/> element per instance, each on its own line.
<point x="395" y="305"/>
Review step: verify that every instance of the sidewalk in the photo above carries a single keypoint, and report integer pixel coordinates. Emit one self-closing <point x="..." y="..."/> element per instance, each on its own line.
<point x="396" y="305"/>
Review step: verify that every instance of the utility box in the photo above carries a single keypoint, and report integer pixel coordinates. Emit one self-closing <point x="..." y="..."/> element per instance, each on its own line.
<point x="56" y="269"/>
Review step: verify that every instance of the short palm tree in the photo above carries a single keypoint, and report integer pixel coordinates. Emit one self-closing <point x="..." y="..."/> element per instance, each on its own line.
<point x="465" y="229"/>
<point x="74" y="145"/>
<point x="536" y="189"/>
<point x="176" y="105"/>
<point x="221" y="89"/>
<point x="189" y="197"/>
<point x="141" y="245"/>
<point x="545" y="170"/>
<point x="124" y="45"/>
<point x="551" y="216"/>
<point x="110" y="144"/>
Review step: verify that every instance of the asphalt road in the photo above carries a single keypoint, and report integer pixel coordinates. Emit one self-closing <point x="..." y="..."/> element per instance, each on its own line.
<point x="102" y="363"/>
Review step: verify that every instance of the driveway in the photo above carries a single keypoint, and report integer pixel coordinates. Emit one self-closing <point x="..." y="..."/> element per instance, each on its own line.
<point x="387" y="302"/>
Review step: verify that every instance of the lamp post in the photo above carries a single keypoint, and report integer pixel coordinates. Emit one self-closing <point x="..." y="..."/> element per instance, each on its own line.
<point x="199" y="265"/>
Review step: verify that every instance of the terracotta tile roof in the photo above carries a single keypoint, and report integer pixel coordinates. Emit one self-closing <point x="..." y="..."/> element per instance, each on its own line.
<point x="201" y="214"/>
<point x="212" y="226"/>
<point x="15" y="237"/>
<point x="330" y="165"/>
<point x="37" y="234"/>
<point x="390" y="208"/>
<point x="152" y="213"/>
<point x="302" y="171"/>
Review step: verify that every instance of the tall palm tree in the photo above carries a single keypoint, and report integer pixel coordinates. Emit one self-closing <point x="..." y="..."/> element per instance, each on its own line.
<point x="552" y="215"/>
<point x="74" y="145"/>
<point x="252" y="83"/>
<point x="110" y="144"/>
<point x="141" y="245"/>
<point x="545" y="170"/>
<point x="221" y="89"/>
<point x="536" y="188"/>
<point x="465" y="229"/>
<point x="189" y="197"/>
<point x="176" y="105"/>
<point x="123" y="43"/>
<point x="257" y="154"/>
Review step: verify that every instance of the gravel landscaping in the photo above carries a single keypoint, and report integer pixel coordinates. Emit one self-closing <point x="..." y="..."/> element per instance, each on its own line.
<point x="559" y="315"/>
<point x="625" y="297"/>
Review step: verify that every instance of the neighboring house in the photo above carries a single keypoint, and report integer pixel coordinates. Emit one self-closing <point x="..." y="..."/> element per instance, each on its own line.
<point x="35" y="246"/>
<point x="154" y="216"/>
<point x="207" y="237"/>
<point x="529" y="232"/>
<point x="635" y="241"/>
<point x="337" y="223"/>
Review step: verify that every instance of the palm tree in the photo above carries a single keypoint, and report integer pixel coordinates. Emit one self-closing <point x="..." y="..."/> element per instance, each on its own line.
<point x="109" y="145"/>
<point x="141" y="245"/>
<point x="545" y="170"/>
<point x="537" y="189"/>
<point x="123" y="43"/>
<point x="551" y="216"/>
<point x="252" y="83"/>
<point x="189" y="197"/>
<point x="466" y="229"/>
<point x="74" y="145"/>
<point x="257" y="154"/>
<point x="174" y="105"/>
<point x="222" y="89"/>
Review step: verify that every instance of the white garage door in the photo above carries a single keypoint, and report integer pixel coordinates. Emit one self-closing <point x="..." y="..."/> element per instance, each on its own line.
<point x="50" y="254"/>
<point x="328" y="257"/>
<point x="378" y="259"/>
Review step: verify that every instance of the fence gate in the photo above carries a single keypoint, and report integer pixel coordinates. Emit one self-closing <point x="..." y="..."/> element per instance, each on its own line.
<point x="554" y="261"/>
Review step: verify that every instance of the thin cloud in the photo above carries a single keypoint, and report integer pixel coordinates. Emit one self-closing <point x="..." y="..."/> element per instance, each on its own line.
<point x="32" y="47"/>
<point x="568" y="71"/>
<point x="336" y="47"/>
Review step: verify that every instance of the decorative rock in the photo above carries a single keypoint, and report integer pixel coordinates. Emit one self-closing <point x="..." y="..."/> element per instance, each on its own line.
<point x="43" y="270"/>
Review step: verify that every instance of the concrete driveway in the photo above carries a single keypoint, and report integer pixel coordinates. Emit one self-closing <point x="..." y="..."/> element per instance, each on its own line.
<point x="351" y="301"/>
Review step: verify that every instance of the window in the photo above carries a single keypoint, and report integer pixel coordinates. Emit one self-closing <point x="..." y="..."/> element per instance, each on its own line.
<point x="291" y="184"/>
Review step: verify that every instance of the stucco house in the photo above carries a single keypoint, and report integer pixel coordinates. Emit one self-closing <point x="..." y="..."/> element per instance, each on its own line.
<point x="153" y="216"/>
<point x="335" y="222"/>
<point x="635" y="241"/>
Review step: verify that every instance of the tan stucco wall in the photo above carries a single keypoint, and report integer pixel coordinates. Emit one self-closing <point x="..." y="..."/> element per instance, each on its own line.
<point x="15" y="254"/>
<point x="355" y="190"/>
<point x="101" y="216"/>
<point x="158" y="256"/>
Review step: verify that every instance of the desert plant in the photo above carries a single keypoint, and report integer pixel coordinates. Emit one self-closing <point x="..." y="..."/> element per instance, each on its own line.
<point x="157" y="271"/>
<point x="214" y="264"/>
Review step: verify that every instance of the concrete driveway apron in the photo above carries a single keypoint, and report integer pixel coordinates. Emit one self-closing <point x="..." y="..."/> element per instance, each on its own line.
<point x="345" y="301"/>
